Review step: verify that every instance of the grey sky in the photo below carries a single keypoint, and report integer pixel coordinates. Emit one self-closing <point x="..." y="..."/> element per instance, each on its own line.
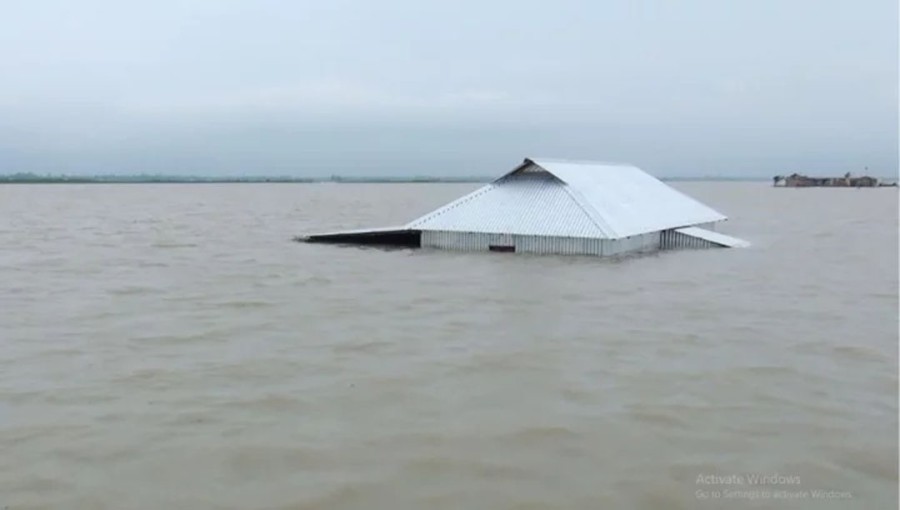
<point x="398" y="87"/>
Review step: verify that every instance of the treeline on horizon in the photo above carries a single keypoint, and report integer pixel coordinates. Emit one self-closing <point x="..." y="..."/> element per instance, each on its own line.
<point x="29" y="177"/>
<point x="33" y="178"/>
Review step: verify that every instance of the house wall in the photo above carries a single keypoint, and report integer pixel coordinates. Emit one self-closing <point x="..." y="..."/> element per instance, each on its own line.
<point x="479" y="241"/>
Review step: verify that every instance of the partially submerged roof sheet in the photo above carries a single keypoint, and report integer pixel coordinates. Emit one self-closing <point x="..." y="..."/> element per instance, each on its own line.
<point x="572" y="199"/>
<point x="362" y="231"/>
<point x="347" y="234"/>
<point x="713" y="237"/>
<point x="398" y="236"/>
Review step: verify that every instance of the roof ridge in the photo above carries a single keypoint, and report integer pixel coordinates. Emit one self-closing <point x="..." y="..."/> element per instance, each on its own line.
<point x="588" y="210"/>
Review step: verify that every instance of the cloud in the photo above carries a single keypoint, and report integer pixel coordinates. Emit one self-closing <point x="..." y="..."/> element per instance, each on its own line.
<point x="333" y="99"/>
<point x="698" y="87"/>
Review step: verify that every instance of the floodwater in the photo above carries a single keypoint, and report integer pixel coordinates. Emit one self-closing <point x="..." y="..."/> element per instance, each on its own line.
<point x="169" y="346"/>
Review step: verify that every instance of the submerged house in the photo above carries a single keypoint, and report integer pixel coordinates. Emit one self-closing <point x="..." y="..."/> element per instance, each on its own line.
<point x="559" y="207"/>
<point x="796" y="180"/>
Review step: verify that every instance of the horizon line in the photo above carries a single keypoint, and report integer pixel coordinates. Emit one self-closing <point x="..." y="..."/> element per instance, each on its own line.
<point x="144" y="177"/>
<point x="26" y="177"/>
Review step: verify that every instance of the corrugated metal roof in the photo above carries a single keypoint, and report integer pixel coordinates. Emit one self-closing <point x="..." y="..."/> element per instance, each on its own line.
<point x="529" y="204"/>
<point x="573" y="199"/>
<point x="626" y="200"/>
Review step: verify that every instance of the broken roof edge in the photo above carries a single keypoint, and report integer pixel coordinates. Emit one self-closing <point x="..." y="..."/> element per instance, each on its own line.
<point x="719" y="238"/>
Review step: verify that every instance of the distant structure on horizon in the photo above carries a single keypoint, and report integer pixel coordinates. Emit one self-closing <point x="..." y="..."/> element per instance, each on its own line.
<point x="796" y="180"/>
<point x="558" y="207"/>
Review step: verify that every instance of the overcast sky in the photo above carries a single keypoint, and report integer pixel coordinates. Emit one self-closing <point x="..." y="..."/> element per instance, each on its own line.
<point x="400" y="87"/>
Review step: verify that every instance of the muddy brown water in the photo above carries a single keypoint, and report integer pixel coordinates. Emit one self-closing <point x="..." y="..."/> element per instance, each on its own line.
<point x="169" y="346"/>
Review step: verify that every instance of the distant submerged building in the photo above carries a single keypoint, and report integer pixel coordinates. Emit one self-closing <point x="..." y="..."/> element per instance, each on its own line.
<point x="559" y="207"/>
<point x="847" y="181"/>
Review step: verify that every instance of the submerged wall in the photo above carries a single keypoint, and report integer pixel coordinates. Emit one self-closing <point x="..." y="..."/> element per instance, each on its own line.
<point x="672" y="240"/>
<point x="479" y="241"/>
